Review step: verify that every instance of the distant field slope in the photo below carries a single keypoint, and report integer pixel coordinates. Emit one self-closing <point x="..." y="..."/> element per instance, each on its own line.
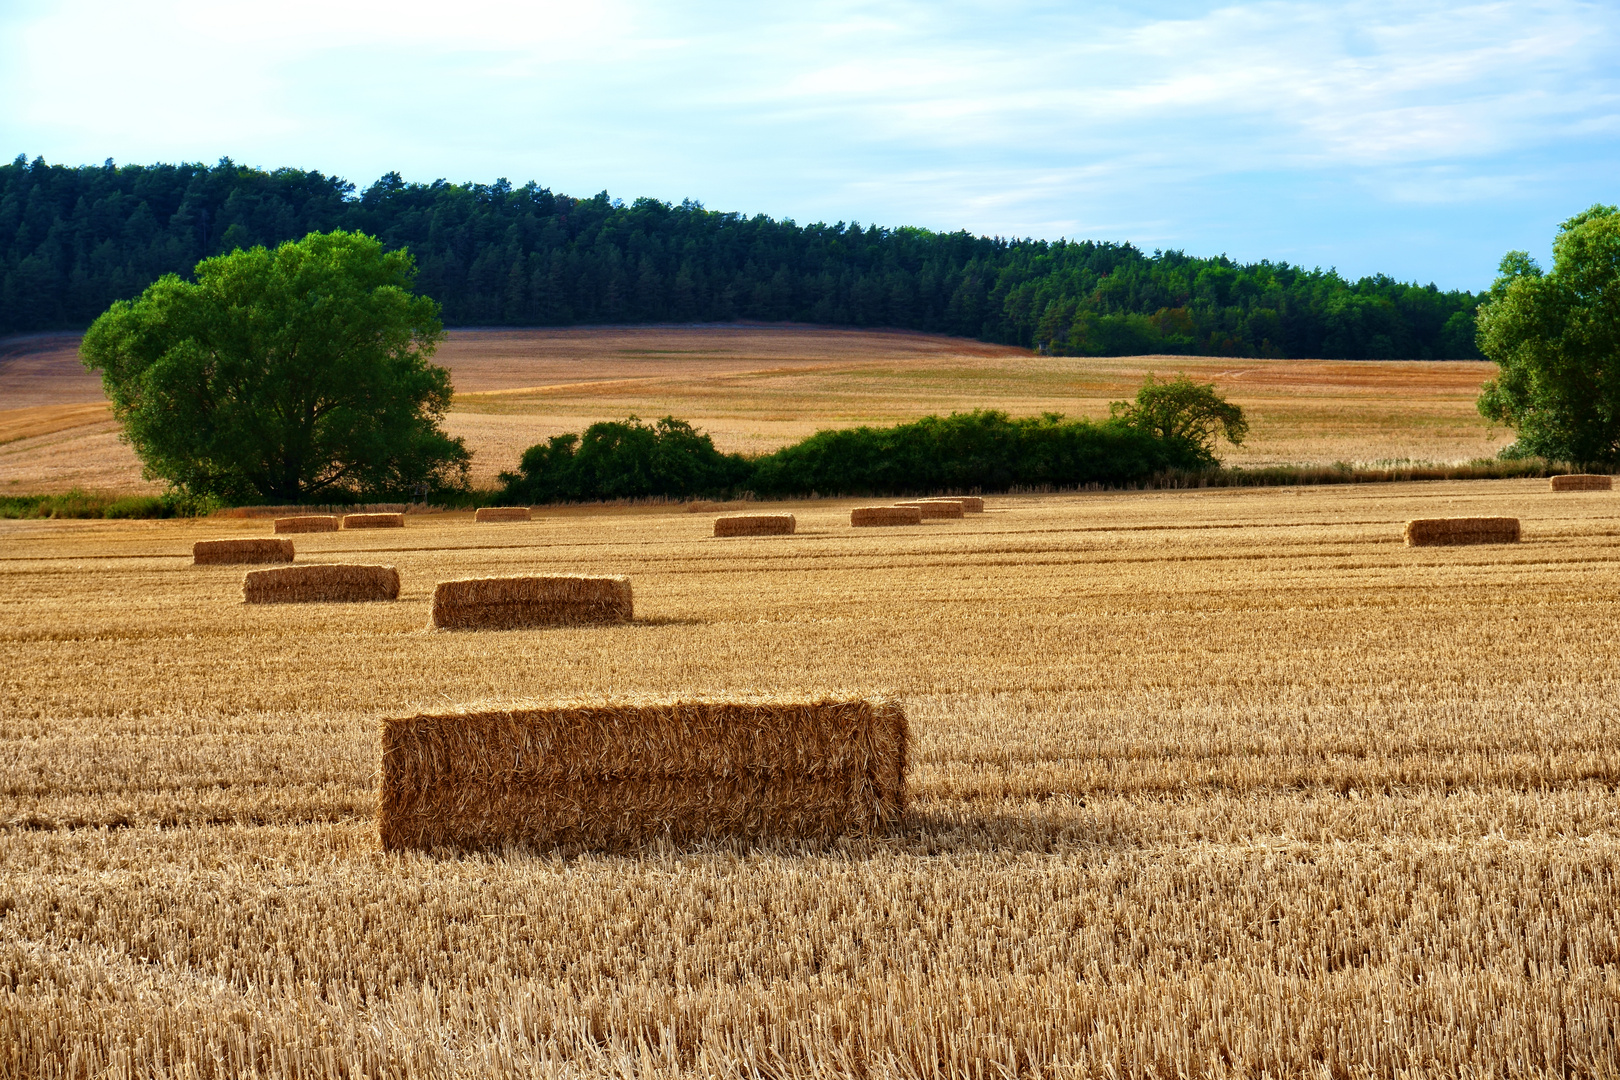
<point x="757" y="387"/>
<point x="73" y="240"/>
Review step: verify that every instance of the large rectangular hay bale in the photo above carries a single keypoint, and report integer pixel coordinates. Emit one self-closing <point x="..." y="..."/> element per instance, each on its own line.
<point x="863" y="516"/>
<point x="257" y="549"/>
<point x="971" y="504"/>
<point x="613" y="775"/>
<point x="1430" y="532"/>
<point x="373" y="521"/>
<point x="322" y="582"/>
<point x="506" y="603"/>
<point x="755" y="525"/>
<point x="502" y="513"/>
<point x="1582" y="482"/>
<point x="307" y="523"/>
<point x="937" y="508"/>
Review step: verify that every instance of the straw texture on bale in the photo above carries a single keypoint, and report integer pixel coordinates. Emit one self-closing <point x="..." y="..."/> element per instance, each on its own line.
<point x="307" y="523"/>
<point x="937" y="508"/>
<point x="885" y="515"/>
<point x="1430" y="532"/>
<point x="260" y="549"/>
<point x="502" y="513"/>
<point x="373" y="521"/>
<point x="505" y="603"/>
<point x="755" y="525"/>
<point x="1582" y="482"/>
<point x="613" y="775"/>
<point x="971" y="504"/>
<point x="321" y="582"/>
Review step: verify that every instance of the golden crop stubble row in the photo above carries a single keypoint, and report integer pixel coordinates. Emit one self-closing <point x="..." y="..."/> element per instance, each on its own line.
<point x="1202" y="777"/>
<point x="1383" y="954"/>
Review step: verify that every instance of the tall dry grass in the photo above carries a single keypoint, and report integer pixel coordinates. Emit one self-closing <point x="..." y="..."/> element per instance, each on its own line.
<point x="1206" y="783"/>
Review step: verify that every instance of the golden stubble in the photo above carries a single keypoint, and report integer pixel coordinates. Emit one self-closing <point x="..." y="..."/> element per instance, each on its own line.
<point x="1206" y="783"/>
<point x="755" y="388"/>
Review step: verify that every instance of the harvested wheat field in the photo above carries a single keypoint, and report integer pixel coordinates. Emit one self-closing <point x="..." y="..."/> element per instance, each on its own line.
<point x="755" y="388"/>
<point x="1203" y="783"/>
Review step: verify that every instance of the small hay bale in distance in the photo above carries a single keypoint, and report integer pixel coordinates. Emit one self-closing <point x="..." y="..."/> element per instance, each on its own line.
<point x="502" y="513"/>
<point x="307" y="523"/>
<point x="259" y="549"/>
<point x="971" y="504"/>
<point x="615" y="775"/>
<point x="320" y="583"/>
<point x="937" y="508"/>
<point x="755" y="525"/>
<point x="863" y="516"/>
<point x="373" y="521"/>
<point x="510" y="603"/>
<point x="1582" y="482"/>
<point x="1434" y="532"/>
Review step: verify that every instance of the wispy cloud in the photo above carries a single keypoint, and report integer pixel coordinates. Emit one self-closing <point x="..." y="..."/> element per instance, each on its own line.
<point x="1324" y="132"/>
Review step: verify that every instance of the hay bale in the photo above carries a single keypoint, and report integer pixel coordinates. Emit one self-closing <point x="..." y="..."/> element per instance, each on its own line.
<point x="373" y="521"/>
<point x="502" y="513"/>
<point x="937" y="508"/>
<point x="971" y="504"/>
<point x="1429" y="532"/>
<point x="307" y="523"/>
<point x="1582" y="482"/>
<point x="320" y="583"/>
<point x="505" y="603"/>
<point x="616" y="774"/>
<point x="258" y="549"/>
<point x="755" y="525"/>
<point x="885" y="515"/>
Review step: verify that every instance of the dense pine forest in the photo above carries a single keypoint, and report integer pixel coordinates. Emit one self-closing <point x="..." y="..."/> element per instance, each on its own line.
<point x="72" y="240"/>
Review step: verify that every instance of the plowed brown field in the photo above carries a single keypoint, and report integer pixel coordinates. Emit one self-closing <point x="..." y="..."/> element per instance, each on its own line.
<point x="1207" y="783"/>
<point x="758" y="387"/>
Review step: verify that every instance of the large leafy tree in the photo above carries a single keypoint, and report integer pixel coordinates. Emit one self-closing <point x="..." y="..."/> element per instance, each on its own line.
<point x="1556" y="340"/>
<point x="282" y="375"/>
<point x="1181" y="411"/>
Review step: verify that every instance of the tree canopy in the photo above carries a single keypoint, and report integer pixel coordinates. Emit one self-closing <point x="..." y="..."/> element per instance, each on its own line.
<point x="73" y="240"/>
<point x="282" y="375"/>
<point x="1556" y="339"/>
<point x="1184" y="411"/>
<point x="623" y="459"/>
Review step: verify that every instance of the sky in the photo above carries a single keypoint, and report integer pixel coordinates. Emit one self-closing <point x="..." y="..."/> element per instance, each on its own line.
<point x="1421" y="140"/>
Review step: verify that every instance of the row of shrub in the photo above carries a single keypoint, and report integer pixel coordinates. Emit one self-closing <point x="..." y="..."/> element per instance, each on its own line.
<point x="980" y="451"/>
<point x="80" y="504"/>
<point x="809" y="473"/>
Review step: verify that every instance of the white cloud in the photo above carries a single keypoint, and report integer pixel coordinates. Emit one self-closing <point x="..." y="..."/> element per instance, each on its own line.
<point x="1005" y="118"/>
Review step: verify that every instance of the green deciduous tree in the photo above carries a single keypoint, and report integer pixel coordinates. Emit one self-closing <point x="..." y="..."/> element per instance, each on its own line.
<point x="1180" y="410"/>
<point x="1556" y="340"/>
<point x="283" y="375"/>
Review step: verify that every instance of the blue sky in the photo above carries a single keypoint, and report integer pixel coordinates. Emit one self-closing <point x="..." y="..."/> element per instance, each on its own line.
<point x="1417" y="139"/>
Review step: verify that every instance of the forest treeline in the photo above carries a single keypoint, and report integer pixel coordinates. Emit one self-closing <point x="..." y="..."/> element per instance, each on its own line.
<point x="73" y="240"/>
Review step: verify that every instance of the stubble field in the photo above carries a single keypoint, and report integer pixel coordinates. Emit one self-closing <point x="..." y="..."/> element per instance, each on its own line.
<point x="755" y="388"/>
<point x="1207" y="783"/>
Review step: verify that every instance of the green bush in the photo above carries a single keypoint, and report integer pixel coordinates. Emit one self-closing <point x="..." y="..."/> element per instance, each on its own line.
<point x="625" y="459"/>
<point x="72" y="504"/>
<point x="79" y="504"/>
<point x="141" y="506"/>
<point x="982" y="450"/>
